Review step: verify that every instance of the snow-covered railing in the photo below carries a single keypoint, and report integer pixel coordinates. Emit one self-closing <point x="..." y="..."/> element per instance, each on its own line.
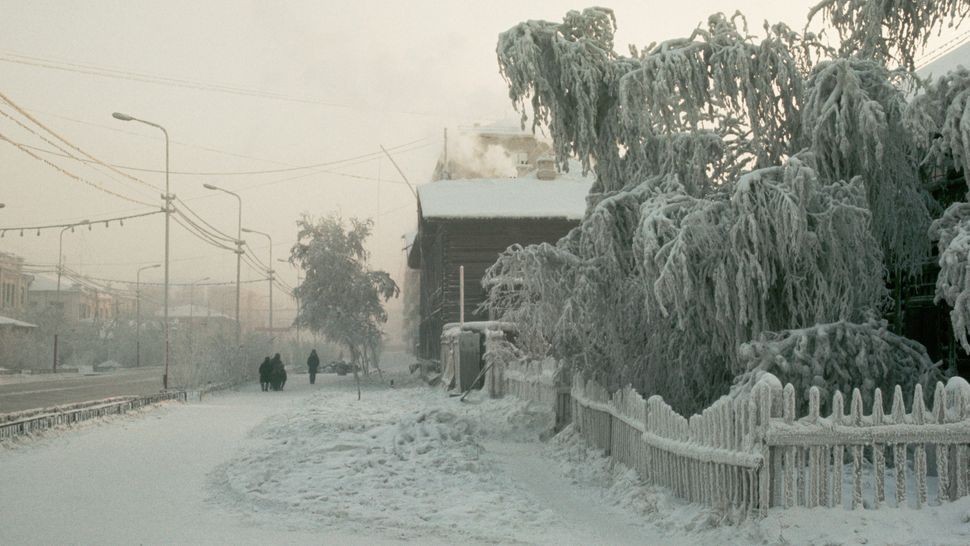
<point x="710" y="458"/>
<point x="857" y="446"/>
<point x="749" y="453"/>
<point x="27" y="422"/>
<point x="538" y="382"/>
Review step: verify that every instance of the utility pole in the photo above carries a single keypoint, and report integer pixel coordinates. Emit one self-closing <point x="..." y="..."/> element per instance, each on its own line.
<point x="269" y="272"/>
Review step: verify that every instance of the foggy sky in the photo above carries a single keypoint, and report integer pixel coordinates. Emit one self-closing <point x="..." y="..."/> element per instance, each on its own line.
<point x="371" y="73"/>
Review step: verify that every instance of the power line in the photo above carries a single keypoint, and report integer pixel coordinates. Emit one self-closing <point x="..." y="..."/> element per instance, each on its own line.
<point x="51" y="268"/>
<point x="350" y="161"/>
<point x="72" y="175"/>
<point x="106" y="72"/>
<point x="119" y="219"/>
<point x="152" y="137"/>
<point x="942" y="49"/>
<point x="90" y="157"/>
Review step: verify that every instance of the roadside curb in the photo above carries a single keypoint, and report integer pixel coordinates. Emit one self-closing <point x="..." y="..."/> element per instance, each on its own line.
<point x="23" y="423"/>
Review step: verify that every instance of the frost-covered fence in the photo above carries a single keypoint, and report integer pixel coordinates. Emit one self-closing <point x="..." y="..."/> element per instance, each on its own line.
<point x="859" y="460"/>
<point x="539" y="382"/>
<point x="27" y="422"/>
<point x="749" y="453"/>
<point x="710" y="458"/>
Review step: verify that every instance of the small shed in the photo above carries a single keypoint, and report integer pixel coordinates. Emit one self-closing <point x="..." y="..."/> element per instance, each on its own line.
<point x="468" y="223"/>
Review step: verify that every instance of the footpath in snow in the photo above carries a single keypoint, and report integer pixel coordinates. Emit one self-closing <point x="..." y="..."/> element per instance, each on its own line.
<point x="312" y="465"/>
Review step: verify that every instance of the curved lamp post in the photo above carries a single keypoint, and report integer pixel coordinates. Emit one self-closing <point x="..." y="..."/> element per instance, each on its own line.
<point x="167" y="198"/>
<point x="239" y="252"/>
<point x="138" y="311"/>
<point x="60" y="269"/>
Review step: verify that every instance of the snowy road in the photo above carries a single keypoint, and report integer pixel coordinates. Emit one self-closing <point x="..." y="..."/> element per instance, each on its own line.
<point x="312" y="465"/>
<point x="308" y="465"/>
<point x="22" y="392"/>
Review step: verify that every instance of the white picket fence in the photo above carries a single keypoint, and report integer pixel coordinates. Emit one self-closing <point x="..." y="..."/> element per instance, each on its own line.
<point x="749" y="453"/>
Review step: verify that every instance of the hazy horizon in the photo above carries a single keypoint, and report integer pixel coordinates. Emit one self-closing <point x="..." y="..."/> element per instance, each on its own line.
<point x="245" y="87"/>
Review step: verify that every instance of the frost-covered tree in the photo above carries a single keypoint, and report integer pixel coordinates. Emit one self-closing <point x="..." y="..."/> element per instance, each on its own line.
<point x="940" y="117"/>
<point x="744" y="185"/>
<point x="889" y="31"/>
<point x="838" y="356"/>
<point x="340" y="296"/>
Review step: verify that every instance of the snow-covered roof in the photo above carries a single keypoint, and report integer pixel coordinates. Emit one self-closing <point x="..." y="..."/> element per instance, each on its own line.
<point x="524" y="197"/>
<point x="7" y="321"/>
<point x="194" y="311"/>
<point x="959" y="56"/>
<point x="42" y="283"/>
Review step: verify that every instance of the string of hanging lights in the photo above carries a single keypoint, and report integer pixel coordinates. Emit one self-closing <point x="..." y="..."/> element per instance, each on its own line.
<point x="107" y="223"/>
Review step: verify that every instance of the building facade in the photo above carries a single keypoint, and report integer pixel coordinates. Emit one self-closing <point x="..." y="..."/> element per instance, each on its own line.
<point x="13" y="284"/>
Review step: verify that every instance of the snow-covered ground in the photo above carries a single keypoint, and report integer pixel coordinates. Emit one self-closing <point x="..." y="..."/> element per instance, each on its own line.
<point x="404" y="464"/>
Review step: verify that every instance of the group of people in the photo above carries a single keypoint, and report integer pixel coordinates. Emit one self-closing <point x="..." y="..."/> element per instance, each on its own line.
<point x="272" y="374"/>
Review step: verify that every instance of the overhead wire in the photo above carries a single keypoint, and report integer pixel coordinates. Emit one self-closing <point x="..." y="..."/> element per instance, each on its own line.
<point x="71" y="175"/>
<point x="349" y="161"/>
<point x="90" y="158"/>
<point x="201" y="85"/>
<point x="119" y="219"/>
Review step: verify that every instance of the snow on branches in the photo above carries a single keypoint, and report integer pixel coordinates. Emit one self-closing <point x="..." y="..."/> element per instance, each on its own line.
<point x="838" y="356"/>
<point x="939" y="120"/>
<point x="853" y="117"/>
<point x="742" y="187"/>
<point x="735" y="95"/>
<point x="567" y="70"/>
<point x="665" y="286"/>
<point x="720" y="77"/>
<point x="952" y="233"/>
<point x="889" y="30"/>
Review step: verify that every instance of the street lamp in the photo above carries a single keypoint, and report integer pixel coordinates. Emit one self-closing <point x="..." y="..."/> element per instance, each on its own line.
<point x="138" y="311"/>
<point x="270" y="272"/>
<point x="239" y="253"/>
<point x="60" y="251"/>
<point x="167" y="198"/>
<point x="192" y="299"/>
<point x="60" y="269"/>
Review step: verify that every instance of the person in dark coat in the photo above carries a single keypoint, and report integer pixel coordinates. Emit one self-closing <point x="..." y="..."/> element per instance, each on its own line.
<point x="264" y="370"/>
<point x="313" y="364"/>
<point x="277" y="375"/>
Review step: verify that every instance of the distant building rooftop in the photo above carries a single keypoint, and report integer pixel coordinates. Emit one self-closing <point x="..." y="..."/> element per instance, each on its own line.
<point x="10" y="322"/>
<point x="194" y="311"/>
<point x="42" y="284"/>
<point x="958" y="56"/>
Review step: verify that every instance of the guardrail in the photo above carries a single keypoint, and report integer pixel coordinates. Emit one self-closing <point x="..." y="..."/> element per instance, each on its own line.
<point x="26" y="422"/>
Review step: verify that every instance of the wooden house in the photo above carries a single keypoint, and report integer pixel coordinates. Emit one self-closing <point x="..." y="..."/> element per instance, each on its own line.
<point x="468" y="223"/>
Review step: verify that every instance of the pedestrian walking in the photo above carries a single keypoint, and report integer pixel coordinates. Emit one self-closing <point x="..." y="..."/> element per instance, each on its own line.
<point x="277" y="374"/>
<point x="313" y="364"/>
<point x="264" y="370"/>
